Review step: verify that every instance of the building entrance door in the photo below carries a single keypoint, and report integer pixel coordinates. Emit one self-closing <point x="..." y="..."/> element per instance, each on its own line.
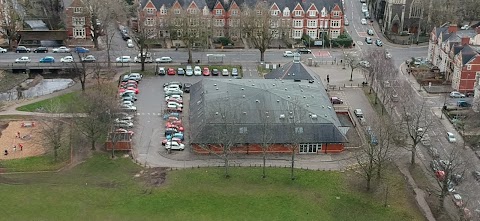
<point x="309" y="148"/>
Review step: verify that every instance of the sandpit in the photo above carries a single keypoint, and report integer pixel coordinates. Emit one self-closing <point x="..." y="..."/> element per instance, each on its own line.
<point x="30" y="138"/>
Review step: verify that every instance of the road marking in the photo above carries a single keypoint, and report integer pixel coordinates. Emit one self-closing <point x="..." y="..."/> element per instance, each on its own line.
<point x="325" y="54"/>
<point x="359" y="42"/>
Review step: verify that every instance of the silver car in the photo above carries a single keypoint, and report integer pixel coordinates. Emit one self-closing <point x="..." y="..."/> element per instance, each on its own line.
<point x="234" y="72"/>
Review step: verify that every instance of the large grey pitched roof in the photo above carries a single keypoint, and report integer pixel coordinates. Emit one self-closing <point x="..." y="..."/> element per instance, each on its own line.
<point x="467" y="54"/>
<point x="168" y="3"/>
<point x="248" y="102"/>
<point x="291" y="70"/>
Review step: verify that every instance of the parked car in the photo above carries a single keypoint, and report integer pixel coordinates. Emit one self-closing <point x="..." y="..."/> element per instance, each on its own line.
<point x="23" y="60"/>
<point x="172" y="83"/>
<point x="61" y="49"/>
<point x="180" y="71"/>
<point x="128" y="108"/>
<point x="165" y="141"/>
<point x="189" y="71"/>
<point x="225" y="72"/>
<point x="125" y="36"/>
<point x="379" y="43"/>
<point x="463" y="103"/>
<point x="206" y="71"/>
<point x="130" y="43"/>
<point x="476" y="175"/>
<point x="170" y="131"/>
<point x="370" y="32"/>
<point x="451" y="137"/>
<point x="234" y="72"/>
<point x="22" y="49"/>
<point x="388" y="55"/>
<point x="67" y="59"/>
<point x="177" y="135"/>
<point x="171" y="71"/>
<point x="173" y="114"/>
<point x="358" y="113"/>
<point x="137" y="59"/>
<point x="304" y="51"/>
<point x="161" y="71"/>
<point x="81" y="50"/>
<point x="173" y="96"/>
<point x="122" y="130"/>
<point x="197" y="71"/>
<point x="365" y="64"/>
<point x="336" y="100"/>
<point x="171" y="87"/>
<point x="363" y="21"/>
<point x="368" y="40"/>
<point x="123" y="59"/>
<point x="164" y="60"/>
<point x="174" y="104"/>
<point x="47" y="59"/>
<point x="174" y="146"/>
<point x="287" y="54"/>
<point x="215" y="72"/>
<point x="173" y="92"/>
<point x="128" y="98"/>
<point x="186" y="87"/>
<point x="3" y="50"/>
<point x="435" y="165"/>
<point x="123" y="124"/>
<point x="41" y="50"/>
<point x="88" y="58"/>
<point x="456" y="94"/>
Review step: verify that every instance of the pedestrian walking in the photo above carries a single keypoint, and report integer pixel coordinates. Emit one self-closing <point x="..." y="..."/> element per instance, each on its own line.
<point x="6" y="153"/>
<point x="328" y="78"/>
<point x="14" y="148"/>
<point x="21" y="146"/>
<point x="18" y="134"/>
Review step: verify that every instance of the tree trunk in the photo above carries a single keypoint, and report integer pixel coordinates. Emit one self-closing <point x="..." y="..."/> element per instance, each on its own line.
<point x="143" y="64"/>
<point x="262" y="54"/>
<point x="95" y="40"/>
<point x="190" y="58"/>
<point x="93" y="144"/>
<point x="109" y="61"/>
<point x="369" y="180"/>
<point x="414" y="152"/>
<point x="292" y="175"/>
<point x="82" y="83"/>
<point x="379" y="170"/>
<point x="351" y="75"/>
<point x="264" y="175"/>
<point x="227" y="174"/>
<point x="55" y="152"/>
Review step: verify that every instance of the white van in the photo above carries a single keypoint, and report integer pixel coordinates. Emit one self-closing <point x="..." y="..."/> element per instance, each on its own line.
<point x="364" y="7"/>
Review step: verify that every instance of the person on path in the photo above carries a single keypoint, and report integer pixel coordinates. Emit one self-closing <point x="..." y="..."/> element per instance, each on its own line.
<point x="6" y="153"/>
<point x="18" y="134"/>
<point x="14" y="148"/>
<point x="21" y="146"/>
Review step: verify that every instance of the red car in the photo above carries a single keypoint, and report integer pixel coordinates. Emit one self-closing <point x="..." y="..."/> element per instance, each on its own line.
<point x="171" y="71"/>
<point x="180" y="101"/>
<point x="134" y="89"/>
<point x="130" y="82"/>
<point x="206" y="71"/>
<point x="174" y="109"/>
<point x="172" y="125"/>
<point x="175" y="139"/>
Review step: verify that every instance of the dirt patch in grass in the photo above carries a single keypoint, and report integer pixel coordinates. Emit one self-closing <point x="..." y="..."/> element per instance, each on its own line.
<point x="153" y="177"/>
<point x="9" y="80"/>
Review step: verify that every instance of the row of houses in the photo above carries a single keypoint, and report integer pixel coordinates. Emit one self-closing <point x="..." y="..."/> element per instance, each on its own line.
<point x="456" y="52"/>
<point x="316" y="18"/>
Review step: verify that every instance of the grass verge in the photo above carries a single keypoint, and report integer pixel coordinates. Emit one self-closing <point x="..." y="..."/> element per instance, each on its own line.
<point x="378" y="107"/>
<point x="105" y="189"/>
<point x="58" y="104"/>
<point x="44" y="162"/>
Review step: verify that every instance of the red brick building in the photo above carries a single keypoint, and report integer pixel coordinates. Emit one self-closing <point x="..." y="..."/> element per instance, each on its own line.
<point x="77" y="20"/>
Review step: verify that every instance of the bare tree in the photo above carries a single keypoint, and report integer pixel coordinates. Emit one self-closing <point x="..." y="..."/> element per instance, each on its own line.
<point x="382" y="75"/>
<point x="96" y="108"/>
<point x="352" y="60"/>
<point x="266" y="136"/>
<point x="294" y="129"/>
<point x="11" y="21"/>
<point x="53" y="129"/>
<point x="260" y="26"/>
<point x="191" y="27"/>
<point x="143" y="33"/>
<point x="51" y="11"/>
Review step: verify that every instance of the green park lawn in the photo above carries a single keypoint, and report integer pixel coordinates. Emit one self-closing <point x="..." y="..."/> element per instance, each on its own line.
<point x="105" y="189"/>
<point x="54" y="104"/>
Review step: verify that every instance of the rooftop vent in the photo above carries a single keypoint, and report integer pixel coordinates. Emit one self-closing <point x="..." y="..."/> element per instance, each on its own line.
<point x="304" y="96"/>
<point x="266" y="112"/>
<point x="282" y="116"/>
<point x="329" y="107"/>
<point x="323" y="106"/>
<point x="286" y="89"/>
<point x="216" y="88"/>
<point x="244" y="112"/>
<point x="283" y="82"/>
<point x="243" y="96"/>
<point x="257" y="101"/>
<point x="301" y="90"/>
<point x="253" y="84"/>
<point x="291" y="117"/>
<point x="216" y="113"/>
<point x="288" y="96"/>
<point x="215" y="85"/>
<point x="273" y="84"/>
<point x="243" y="88"/>
<point x="278" y="101"/>
<point x="308" y="105"/>
<point x="314" y="116"/>
<point x="291" y="113"/>
<point x="293" y="74"/>
<point x="325" y="115"/>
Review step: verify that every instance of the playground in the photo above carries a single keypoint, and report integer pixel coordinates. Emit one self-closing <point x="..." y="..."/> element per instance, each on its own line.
<point x="20" y="139"/>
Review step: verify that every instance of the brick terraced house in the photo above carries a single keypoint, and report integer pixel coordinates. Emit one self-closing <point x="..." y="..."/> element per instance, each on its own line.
<point x="315" y="18"/>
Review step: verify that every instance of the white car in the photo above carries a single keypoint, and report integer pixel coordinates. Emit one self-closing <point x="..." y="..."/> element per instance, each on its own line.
<point x="363" y="21"/>
<point x="3" y="50"/>
<point x="23" y="60"/>
<point x="358" y="113"/>
<point x="175" y="96"/>
<point x="89" y="58"/>
<point x="124" y="59"/>
<point x="189" y="71"/>
<point x="174" y="105"/>
<point x="67" y="59"/>
<point x="173" y="91"/>
<point x="197" y="71"/>
<point x="234" y="72"/>
<point x="147" y="60"/>
<point x="135" y="76"/>
<point x="172" y="145"/>
<point x="130" y="43"/>
<point x="61" y="49"/>
<point x="365" y="64"/>
<point x="225" y="72"/>
<point x="456" y="94"/>
<point x="451" y="137"/>
<point x="127" y="107"/>
<point x="171" y="87"/>
<point x="129" y="103"/>
<point x="288" y="54"/>
<point x="164" y="60"/>
<point x="388" y="55"/>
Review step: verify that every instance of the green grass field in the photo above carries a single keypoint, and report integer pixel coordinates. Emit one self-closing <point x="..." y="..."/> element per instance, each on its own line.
<point x="105" y="189"/>
<point x="61" y="101"/>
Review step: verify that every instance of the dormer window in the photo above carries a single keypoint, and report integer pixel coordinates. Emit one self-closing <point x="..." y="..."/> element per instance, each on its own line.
<point x="150" y="11"/>
<point x="77" y="10"/>
<point x="336" y="13"/>
<point x="286" y="13"/>
<point x="218" y="11"/>
<point x="176" y="11"/>
<point x="274" y="12"/>
<point x="163" y="11"/>
<point x="469" y="67"/>
<point x="298" y="13"/>
<point x="312" y="13"/>
<point x="235" y="12"/>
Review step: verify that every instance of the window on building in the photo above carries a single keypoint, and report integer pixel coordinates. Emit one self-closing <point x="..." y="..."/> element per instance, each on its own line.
<point x="469" y="67"/>
<point x="219" y="22"/>
<point x="218" y="32"/>
<point x="150" y="11"/>
<point x="324" y="13"/>
<point x="312" y="34"/>
<point x="176" y="11"/>
<point x="78" y="21"/>
<point x="335" y="24"/>
<point x="312" y="13"/>
<point x="218" y="11"/>
<point x="163" y="11"/>
<point x="297" y="34"/>
<point x="77" y="10"/>
<point x="335" y="33"/>
<point x="297" y="23"/>
<point x="298" y="13"/>
<point x="234" y="12"/>
<point x="149" y="22"/>
<point x="299" y="130"/>
<point x="415" y="11"/>
<point x="336" y="13"/>
<point x="286" y="12"/>
<point x="259" y="12"/>
<point x="243" y="130"/>
<point x="79" y="32"/>
<point x="274" y="12"/>
<point x="312" y="23"/>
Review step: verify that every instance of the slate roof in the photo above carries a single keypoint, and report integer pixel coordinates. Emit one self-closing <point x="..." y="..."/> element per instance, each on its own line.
<point x="291" y="71"/>
<point x="247" y="103"/>
<point x="467" y="54"/>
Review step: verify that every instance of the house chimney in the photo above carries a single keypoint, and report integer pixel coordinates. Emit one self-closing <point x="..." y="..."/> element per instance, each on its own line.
<point x="465" y="40"/>
<point x="452" y="28"/>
